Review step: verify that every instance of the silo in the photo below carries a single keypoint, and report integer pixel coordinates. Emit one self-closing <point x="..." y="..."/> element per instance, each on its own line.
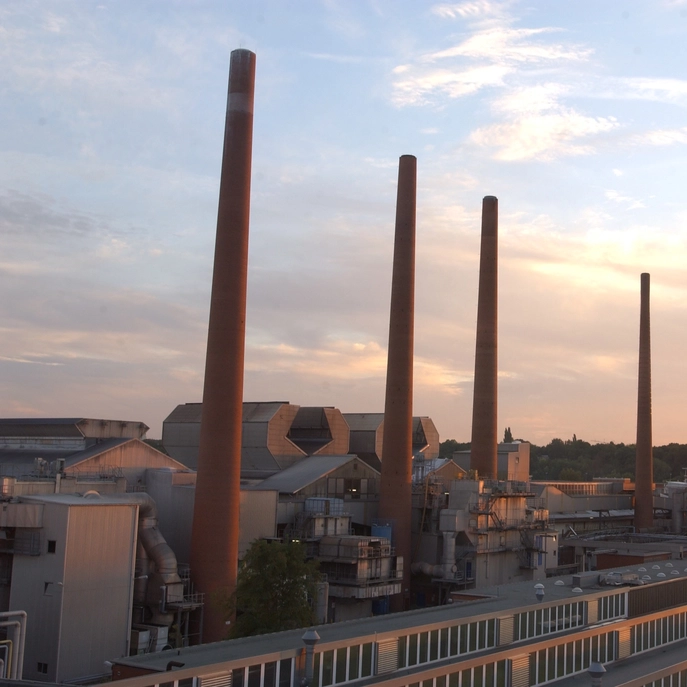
<point x="215" y="537"/>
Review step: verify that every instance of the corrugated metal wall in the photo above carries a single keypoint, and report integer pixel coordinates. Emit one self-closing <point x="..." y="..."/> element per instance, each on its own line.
<point x="98" y="579"/>
<point x="656" y="597"/>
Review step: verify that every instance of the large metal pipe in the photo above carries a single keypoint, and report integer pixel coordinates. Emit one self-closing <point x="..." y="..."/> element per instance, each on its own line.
<point x="644" y="461"/>
<point x="19" y="641"/>
<point x="483" y="449"/>
<point x="215" y="537"/>
<point x="395" y="495"/>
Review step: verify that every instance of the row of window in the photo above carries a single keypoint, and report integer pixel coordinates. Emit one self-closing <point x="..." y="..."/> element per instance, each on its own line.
<point x="489" y="675"/>
<point x="272" y="674"/>
<point x="434" y="645"/>
<point x="674" y="680"/>
<point x="544" y="621"/>
<point x="558" y="661"/>
<point x="612" y="606"/>
<point x="653" y="633"/>
<point x="341" y="665"/>
<point x="346" y="664"/>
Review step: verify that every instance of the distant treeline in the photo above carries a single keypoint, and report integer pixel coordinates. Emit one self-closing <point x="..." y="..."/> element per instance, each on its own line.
<point x="575" y="460"/>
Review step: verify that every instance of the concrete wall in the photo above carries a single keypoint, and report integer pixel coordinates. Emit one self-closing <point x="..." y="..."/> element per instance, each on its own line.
<point x="174" y="493"/>
<point x="558" y="502"/>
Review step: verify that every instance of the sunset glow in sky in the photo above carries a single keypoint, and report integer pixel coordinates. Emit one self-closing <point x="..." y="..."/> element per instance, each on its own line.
<point x="571" y="113"/>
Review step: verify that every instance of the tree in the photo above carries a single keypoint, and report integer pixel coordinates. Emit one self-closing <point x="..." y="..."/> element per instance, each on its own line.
<point x="508" y="436"/>
<point x="275" y="590"/>
<point x="450" y="446"/>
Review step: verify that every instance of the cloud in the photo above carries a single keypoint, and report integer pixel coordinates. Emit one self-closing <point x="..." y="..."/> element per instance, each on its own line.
<point x="489" y="57"/>
<point x="422" y="84"/>
<point x="512" y="46"/>
<point x="661" y="137"/>
<point x="471" y="9"/>
<point x="26" y="360"/>
<point x="545" y="136"/>
<point x="617" y="197"/>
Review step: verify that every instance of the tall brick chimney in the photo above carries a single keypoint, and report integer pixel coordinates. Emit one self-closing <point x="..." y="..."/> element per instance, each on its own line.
<point x="215" y="538"/>
<point x="644" y="460"/>
<point x="395" y="497"/>
<point x="483" y="450"/>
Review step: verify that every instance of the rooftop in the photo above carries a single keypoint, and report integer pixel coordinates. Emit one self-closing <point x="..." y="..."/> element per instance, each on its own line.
<point x="487" y="602"/>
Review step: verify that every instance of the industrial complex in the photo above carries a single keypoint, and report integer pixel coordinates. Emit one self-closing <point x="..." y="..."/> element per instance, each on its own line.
<point x="453" y="571"/>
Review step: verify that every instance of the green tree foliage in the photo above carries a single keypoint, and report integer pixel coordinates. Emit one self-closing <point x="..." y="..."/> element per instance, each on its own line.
<point x="450" y="446"/>
<point x="507" y="436"/>
<point x="275" y="590"/>
<point x="575" y="460"/>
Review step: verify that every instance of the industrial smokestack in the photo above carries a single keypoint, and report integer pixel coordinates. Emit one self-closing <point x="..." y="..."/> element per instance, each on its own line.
<point x="395" y="497"/>
<point x="215" y="542"/>
<point x="483" y="450"/>
<point x="644" y="461"/>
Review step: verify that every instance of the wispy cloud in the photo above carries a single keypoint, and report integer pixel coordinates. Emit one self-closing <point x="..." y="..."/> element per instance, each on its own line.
<point x="27" y="361"/>
<point x="544" y="136"/>
<point x="470" y="9"/>
<point x="492" y="56"/>
<point x="419" y="88"/>
<point x="631" y="203"/>
<point x="660" y="137"/>
<point x="512" y="46"/>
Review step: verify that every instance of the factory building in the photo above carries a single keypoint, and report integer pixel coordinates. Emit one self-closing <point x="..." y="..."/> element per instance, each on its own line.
<point x="367" y="434"/>
<point x="81" y="553"/>
<point x="472" y="533"/>
<point x="274" y="435"/>
<point x="631" y="622"/>
<point x="278" y="434"/>
<point x="67" y="451"/>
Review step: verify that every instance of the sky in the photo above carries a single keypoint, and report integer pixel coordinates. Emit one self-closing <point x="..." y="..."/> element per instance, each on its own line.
<point x="572" y="114"/>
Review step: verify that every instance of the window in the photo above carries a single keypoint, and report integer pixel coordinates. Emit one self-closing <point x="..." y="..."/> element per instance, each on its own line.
<point x="285" y="672"/>
<point x="52" y="545"/>
<point x="238" y="677"/>
<point x="42" y="668"/>
<point x="270" y="678"/>
<point x="254" y="675"/>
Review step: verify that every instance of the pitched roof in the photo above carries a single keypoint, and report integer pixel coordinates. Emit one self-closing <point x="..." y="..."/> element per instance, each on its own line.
<point x="261" y="411"/>
<point x="16" y="460"/>
<point x="303" y="473"/>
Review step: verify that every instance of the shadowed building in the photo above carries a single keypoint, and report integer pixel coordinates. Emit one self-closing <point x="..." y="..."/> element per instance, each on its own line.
<point x="367" y="430"/>
<point x="275" y="435"/>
